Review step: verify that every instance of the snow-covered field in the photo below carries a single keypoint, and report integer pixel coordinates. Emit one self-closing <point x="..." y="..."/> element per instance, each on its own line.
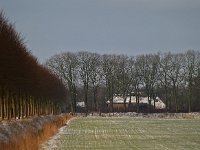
<point x="127" y="133"/>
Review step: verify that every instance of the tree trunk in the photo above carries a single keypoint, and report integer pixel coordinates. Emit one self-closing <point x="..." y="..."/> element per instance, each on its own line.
<point x="166" y="99"/>
<point x="86" y="97"/>
<point x="15" y="105"/>
<point x="6" y="104"/>
<point x="9" y="105"/>
<point x="74" y="98"/>
<point x="189" y="98"/>
<point x="19" y="105"/>
<point x="124" y="103"/>
<point x="149" y="106"/>
<point x="175" y="99"/>
<point x="137" y="103"/>
<point x="95" y="98"/>
<point x="3" y="104"/>
<point x="26" y="110"/>
<point x="23" y="107"/>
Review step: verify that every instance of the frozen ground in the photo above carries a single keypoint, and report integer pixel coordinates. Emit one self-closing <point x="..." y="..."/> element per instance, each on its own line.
<point x="127" y="133"/>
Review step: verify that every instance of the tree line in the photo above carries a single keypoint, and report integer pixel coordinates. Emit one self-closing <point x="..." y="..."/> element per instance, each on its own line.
<point x="95" y="78"/>
<point x="26" y="87"/>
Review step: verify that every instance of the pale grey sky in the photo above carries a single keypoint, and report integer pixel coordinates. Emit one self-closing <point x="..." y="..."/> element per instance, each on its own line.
<point x="106" y="26"/>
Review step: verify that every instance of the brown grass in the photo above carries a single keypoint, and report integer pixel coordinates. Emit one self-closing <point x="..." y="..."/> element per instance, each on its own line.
<point x="29" y="134"/>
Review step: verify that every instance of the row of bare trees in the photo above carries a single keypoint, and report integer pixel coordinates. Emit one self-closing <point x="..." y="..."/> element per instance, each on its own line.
<point x="26" y="87"/>
<point x="173" y="77"/>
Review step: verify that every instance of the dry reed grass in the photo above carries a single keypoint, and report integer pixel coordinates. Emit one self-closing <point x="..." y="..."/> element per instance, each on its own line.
<point x="29" y="134"/>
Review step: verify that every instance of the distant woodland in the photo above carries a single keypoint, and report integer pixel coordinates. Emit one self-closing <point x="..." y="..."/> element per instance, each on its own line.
<point x="26" y="87"/>
<point x="95" y="78"/>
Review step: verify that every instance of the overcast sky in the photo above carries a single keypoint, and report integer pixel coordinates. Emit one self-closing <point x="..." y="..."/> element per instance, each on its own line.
<point x="105" y="26"/>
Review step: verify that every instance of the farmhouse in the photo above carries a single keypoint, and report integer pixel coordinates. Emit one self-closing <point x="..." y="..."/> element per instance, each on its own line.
<point x="131" y="105"/>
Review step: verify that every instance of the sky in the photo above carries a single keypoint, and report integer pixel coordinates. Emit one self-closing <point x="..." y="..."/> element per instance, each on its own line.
<point x="130" y="27"/>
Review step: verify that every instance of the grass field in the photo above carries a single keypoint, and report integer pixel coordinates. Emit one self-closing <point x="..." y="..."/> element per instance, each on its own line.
<point x="126" y="133"/>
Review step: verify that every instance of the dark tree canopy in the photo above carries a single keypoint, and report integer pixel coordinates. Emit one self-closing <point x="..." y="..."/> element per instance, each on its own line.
<point x="21" y="73"/>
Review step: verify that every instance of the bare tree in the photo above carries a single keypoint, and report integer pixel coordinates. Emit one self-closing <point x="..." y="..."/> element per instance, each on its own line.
<point x="149" y="65"/>
<point x="109" y="66"/>
<point x="176" y="75"/>
<point x="191" y="72"/>
<point x="65" y="66"/>
<point x="95" y="76"/>
<point x="84" y="59"/>
<point x="123" y="79"/>
<point x="164" y="80"/>
<point x="136" y="76"/>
